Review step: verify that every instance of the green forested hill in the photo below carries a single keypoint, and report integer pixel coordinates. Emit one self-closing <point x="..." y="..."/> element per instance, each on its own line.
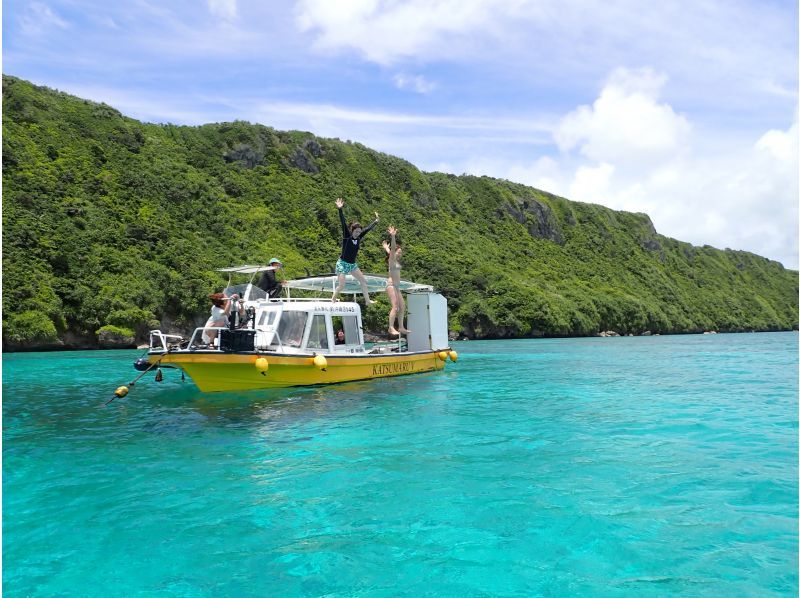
<point x="109" y="222"/>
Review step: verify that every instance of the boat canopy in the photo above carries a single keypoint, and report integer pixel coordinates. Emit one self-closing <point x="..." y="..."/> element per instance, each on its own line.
<point x="246" y="269"/>
<point x="375" y="284"/>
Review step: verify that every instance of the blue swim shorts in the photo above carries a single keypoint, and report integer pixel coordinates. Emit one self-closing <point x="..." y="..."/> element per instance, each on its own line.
<point x="343" y="267"/>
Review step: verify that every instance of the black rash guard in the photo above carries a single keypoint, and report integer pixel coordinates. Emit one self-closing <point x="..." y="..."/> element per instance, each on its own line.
<point x="349" y="244"/>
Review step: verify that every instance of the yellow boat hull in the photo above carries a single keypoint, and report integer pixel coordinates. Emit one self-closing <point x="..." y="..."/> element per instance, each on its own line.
<point x="214" y="372"/>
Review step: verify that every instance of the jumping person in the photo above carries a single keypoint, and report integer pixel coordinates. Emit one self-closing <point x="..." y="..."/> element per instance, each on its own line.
<point x="351" y="241"/>
<point x="393" y="253"/>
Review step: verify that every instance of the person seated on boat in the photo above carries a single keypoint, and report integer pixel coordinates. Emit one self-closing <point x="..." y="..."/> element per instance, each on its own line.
<point x="393" y="253"/>
<point x="351" y="242"/>
<point x="269" y="281"/>
<point x="340" y="337"/>
<point x="220" y="309"/>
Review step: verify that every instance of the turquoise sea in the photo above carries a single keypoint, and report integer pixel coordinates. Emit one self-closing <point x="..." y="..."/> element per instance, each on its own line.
<point x="642" y="466"/>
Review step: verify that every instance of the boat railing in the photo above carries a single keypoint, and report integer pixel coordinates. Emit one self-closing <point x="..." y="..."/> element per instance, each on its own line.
<point x="280" y="343"/>
<point x="164" y="342"/>
<point x="196" y="341"/>
<point x="161" y="342"/>
<point x="307" y="299"/>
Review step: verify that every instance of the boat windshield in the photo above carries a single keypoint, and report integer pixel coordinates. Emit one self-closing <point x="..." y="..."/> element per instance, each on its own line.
<point x="291" y="327"/>
<point x="241" y="290"/>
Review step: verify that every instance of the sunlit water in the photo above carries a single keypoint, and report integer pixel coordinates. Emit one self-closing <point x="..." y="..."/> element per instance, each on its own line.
<point x="618" y="466"/>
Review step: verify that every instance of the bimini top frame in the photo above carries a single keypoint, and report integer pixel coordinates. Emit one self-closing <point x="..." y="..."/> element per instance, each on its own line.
<point x="246" y="269"/>
<point x="375" y="284"/>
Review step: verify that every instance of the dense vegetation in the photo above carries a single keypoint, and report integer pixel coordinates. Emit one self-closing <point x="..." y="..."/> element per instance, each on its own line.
<point x="113" y="225"/>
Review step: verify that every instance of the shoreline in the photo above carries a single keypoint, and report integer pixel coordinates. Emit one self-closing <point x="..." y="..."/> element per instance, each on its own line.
<point x="53" y="348"/>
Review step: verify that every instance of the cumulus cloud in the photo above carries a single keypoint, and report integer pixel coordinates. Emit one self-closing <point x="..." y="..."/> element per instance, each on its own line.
<point x="626" y="122"/>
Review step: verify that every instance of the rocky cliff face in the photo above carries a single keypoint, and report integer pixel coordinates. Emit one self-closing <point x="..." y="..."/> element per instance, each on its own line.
<point x="537" y="218"/>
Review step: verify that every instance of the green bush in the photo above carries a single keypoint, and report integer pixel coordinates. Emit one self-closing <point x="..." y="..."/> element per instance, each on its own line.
<point x="115" y="330"/>
<point x="29" y="327"/>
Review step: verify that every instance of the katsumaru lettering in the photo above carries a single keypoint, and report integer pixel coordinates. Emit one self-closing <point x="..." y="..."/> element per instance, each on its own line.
<point x="403" y="367"/>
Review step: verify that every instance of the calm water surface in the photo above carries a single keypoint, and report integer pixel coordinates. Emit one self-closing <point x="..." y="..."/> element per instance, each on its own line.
<point x="597" y="467"/>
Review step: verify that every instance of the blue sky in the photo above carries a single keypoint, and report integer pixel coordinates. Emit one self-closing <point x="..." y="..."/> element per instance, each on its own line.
<point x="684" y="110"/>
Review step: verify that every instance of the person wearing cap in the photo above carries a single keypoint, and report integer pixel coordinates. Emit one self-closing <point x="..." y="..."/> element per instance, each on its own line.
<point x="269" y="281"/>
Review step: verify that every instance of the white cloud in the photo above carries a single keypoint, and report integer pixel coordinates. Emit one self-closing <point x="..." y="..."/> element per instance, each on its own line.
<point x="384" y="31"/>
<point x="779" y="145"/>
<point x="592" y="183"/>
<point x="40" y="18"/>
<point x="497" y="128"/>
<point x="416" y="83"/>
<point x="224" y="9"/>
<point x="626" y="122"/>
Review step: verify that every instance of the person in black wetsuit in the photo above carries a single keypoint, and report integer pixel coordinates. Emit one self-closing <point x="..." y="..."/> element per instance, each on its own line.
<point x="269" y="282"/>
<point x="351" y="241"/>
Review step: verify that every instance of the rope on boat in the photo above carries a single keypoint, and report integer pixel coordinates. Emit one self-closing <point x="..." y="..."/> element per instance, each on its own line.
<point x="123" y="390"/>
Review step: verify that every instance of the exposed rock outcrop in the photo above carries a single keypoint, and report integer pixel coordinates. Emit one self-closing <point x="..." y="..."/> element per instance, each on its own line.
<point x="302" y="159"/>
<point x="538" y="218"/>
<point x="110" y="339"/>
<point x="245" y="154"/>
<point x="313" y="148"/>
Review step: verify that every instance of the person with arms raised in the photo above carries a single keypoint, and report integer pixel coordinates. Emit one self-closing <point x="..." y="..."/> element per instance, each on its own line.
<point x="393" y="253"/>
<point x="352" y="236"/>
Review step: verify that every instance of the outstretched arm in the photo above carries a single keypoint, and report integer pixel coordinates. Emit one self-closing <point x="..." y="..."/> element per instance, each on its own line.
<point x="339" y="206"/>
<point x="371" y="226"/>
<point x="392" y="232"/>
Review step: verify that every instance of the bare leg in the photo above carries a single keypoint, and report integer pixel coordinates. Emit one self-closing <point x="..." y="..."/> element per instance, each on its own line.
<point x="401" y="312"/>
<point x="360" y="277"/>
<point x="339" y="288"/>
<point x="212" y="334"/>
<point x="392" y="292"/>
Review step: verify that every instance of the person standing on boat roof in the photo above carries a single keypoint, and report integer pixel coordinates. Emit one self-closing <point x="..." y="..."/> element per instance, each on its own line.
<point x="269" y="281"/>
<point x="351" y="242"/>
<point x="393" y="253"/>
